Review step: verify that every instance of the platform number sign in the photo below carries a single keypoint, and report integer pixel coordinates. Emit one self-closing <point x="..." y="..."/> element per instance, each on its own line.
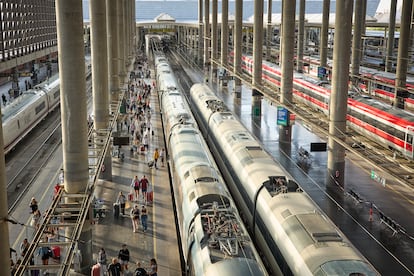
<point x="282" y="116"/>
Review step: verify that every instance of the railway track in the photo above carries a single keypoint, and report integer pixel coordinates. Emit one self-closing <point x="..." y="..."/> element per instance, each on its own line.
<point x="28" y="160"/>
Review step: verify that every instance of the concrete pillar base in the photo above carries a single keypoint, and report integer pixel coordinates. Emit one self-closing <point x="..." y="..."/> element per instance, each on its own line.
<point x="336" y="174"/>
<point x="256" y="103"/>
<point x="237" y="91"/>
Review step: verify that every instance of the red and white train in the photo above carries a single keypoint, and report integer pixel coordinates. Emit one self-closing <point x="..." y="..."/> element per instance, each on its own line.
<point x="381" y="122"/>
<point x="374" y="82"/>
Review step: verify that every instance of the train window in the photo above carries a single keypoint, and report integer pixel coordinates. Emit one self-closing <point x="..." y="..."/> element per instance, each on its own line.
<point x="206" y="201"/>
<point x="40" y="107"/>
<point x="56" y="94"/>
<point x="409" y="139"/>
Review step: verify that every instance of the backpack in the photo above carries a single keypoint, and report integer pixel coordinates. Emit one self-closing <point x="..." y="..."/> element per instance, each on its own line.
<point x="136" y="184"/>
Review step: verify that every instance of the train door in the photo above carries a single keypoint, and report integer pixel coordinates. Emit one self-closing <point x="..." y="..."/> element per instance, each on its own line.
<point x="408" y="142"/>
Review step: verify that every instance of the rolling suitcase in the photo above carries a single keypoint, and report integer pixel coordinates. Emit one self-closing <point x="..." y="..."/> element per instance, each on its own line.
<point x="150" y="196"/>
<point x="116" y="210"/>
<point x="56" y="252"/>
<point x="131" y="197"/>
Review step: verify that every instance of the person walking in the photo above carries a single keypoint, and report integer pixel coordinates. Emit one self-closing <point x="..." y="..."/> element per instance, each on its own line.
<point x="114" y="268"/>
<point x="122" y="200"/>
<point x="102" y="260"/>
<point x="33" y="205"/>
<point x="145" y="141"/>
<point x="24" y="247"/>
<point x="162" y="155"/>
<point x="123" y="256"/>
<point x="153" y="268"/>
<point x="135" y="185"/>
<point x="156" y="156"/>
<point x="140" y="271"/>
<point x="45" y="253"/>
<point x="144" y="218"/>
<point x="35" y="223"/>
<point x="135" y="218"/>
<point x="144" y="186"/>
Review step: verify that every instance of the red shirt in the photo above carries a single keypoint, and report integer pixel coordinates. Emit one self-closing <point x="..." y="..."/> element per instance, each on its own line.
<point x="144" y="183"/>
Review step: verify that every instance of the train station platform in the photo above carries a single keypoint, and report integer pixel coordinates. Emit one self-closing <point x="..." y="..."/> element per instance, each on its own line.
<point x="388" y="251"/>
<point x="108" y="231"/>
<point x="160" y="240"/>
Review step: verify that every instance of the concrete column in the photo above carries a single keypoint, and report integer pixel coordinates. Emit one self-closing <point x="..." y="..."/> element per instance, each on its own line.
<point x="364" y="11"/>
<point x="339" y="95"/>
<point x="131" y="29"/>
<point x="193" y="39"/>
<point x="4" y="227"/>
<point x="323" y="47"/>
<point x="301" y="37"/>
<point x="390" y="41"/>
<point x="224" y="36"/>
<point x="139" y="39"/>
<point x="121" y="40"/>
<point x="188" y="38"/>
<point x="69" y="21"/>
<point x="200" y="32"/>
<point x="134" y="29"/>
<point x="269" y="30"/>
<point x="113" y="56"/>
<point x="207" y="36"/>
<point x="356" y="41"/>
<point x="246" y="43"/>
<point x="288" y="47"/>
<point x="183" y="37"/>
<point x="100" y="82"/>
<point x="402" y="59"/>
<point x="214" y="41"/>
<point x="257" y="57"/>
<point x="179" y="37"/>
<point x="128" y="30"/>
<point x="238" y="40"/>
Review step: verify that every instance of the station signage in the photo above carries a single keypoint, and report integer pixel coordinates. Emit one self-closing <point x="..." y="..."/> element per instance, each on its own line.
<point x="282" y="116"/>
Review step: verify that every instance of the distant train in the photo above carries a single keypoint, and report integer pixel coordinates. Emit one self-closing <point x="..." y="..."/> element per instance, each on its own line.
<point x="26" y="111"/>
<point x="372" y="81"/>
<point x="291" y="231"/>
<point x="381" y="122"/>
<point x="382" y="84"/>
<point x="214" y="240"/>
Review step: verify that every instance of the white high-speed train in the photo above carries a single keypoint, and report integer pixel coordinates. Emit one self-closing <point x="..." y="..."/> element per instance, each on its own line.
<point x="214" y="240"/>
<point x="26" y="111"/>
<point x="290" y="229"/>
